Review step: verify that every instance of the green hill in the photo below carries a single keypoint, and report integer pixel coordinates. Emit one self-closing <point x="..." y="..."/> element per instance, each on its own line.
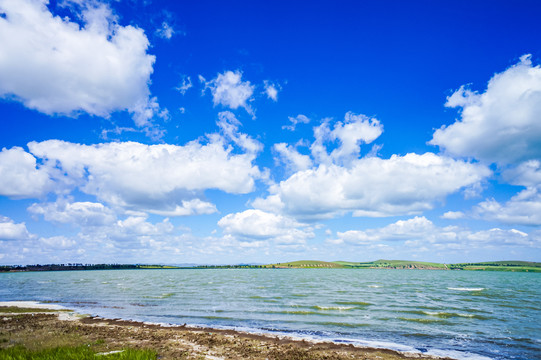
<point x="525" y="266"/>
<point x="306" y="264"/>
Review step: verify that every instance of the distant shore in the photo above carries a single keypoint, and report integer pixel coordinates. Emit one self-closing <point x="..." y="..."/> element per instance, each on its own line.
<point x="510" y="265"/>
<point x="40" y="326"/>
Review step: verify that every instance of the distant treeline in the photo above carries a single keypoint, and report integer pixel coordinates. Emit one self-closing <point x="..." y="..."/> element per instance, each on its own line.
<point x="67" y="267"/>
<point x="525" y="266"/>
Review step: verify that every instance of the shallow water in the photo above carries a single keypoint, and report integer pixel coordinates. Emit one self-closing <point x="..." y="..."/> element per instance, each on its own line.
<point x="462" y="314"/>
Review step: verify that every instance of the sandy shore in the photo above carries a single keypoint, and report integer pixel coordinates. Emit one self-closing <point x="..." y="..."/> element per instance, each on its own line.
<point x="37" y="326"/>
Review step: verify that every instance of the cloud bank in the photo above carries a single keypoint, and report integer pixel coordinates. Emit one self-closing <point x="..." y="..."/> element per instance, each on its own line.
<point x="57" y="66"/>
<point x="501" y="125"/>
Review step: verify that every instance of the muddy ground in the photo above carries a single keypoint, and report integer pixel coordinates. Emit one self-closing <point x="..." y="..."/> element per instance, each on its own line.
<point x="37" y="330"/>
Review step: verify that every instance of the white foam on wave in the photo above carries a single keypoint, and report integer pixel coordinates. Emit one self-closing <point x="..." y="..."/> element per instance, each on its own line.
<point x="459" y="355"/>
<point x="374" y="286"/>
<point x="334" y="307"/>
<point x="31" y="305"/>
<point x="465" y="289"/>
<point x="444" y="314"/>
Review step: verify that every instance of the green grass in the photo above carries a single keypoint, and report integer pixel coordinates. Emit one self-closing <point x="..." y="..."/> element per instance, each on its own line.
<point x="502" y="268"/>
<point x="73" y="353"/>
<point x="408" y="263"/>
<point x="308" y="264"/>
<point x="522" y="266"/>
<point x="18" y="310"/>
<point x="156" y="267"/>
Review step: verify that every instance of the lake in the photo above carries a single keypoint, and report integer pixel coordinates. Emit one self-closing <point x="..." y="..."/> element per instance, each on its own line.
<point x="461" y="314"/>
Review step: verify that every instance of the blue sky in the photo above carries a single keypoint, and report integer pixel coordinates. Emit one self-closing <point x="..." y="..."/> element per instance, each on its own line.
<point x="251" y="132"/>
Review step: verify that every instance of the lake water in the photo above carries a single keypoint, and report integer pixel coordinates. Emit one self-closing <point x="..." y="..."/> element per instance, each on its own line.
<point x="462" y="314"/>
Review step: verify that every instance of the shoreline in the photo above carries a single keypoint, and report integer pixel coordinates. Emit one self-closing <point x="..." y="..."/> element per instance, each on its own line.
<point x="177" y="341"/>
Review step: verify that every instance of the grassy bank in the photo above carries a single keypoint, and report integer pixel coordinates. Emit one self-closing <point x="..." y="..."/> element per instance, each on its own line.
<point x="32" y="334"/>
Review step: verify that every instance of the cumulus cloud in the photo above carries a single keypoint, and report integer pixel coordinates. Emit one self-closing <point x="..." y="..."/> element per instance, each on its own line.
<point x="58" y="242"/>
<point x="299" y="119"/>
<point x="355" y="130"/>
<point x="81" y="213"/>
<point x="98" y="223"/>
<point x="166" y="31"/>
<point x="271" y="90"/>
<point x="522" y="209"/>
<point x="292" y="158"/>
<point x="419" y="232"/>
<point x="185" y="84"/>
<point x="20" y="175"/>
<point x="453" y="215"/>
<point x="501" y="125"/>
<point x="526" y="174"/>
<point x="54" y="65"/>
<point x="229" y="126"/>
<point x="229" y="90"/>
<point x="163" y="179"/>
<point x="150" y="177"/>
<point x="253" y="225"/>
<point x="525" y="207"/>
<point x="400" y="230"/>
<point x="9" y="230"/>
<point x="372" y="187"/>
<point x="332" y="178"/>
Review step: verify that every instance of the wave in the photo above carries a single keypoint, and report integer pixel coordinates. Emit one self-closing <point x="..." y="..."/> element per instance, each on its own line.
<point x="358" y="303"/>
<point x="162" y="296"/>
<point x="460" y="355"/>
<point x="339" y="324"/>
<point x="465" y="289"/>
<point x="426" y="321"/>
<point x="340" y="308"/>
<point x="297" y="312"/>
<point x="445" y="314"/>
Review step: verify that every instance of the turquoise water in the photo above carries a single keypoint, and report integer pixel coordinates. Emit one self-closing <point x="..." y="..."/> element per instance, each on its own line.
<point x="462" y="314"/>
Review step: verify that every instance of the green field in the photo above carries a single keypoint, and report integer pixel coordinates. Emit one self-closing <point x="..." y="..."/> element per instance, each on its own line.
<point x="522" y="266"/>
<point x="306" y="264"/>
<point x="73" y="353"/>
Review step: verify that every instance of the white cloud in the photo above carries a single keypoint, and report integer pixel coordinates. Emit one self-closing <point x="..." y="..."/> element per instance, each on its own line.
<point x="150" y="177"/>
<point x="526" y="174"/>
<point x="229" y="90"/>
<point x="271" y="90"/>
<point x="419" y="232"/>
<point x="291" y="157"/>
<point x="299" y="119"/>
<point x="137" y="225"/>
<point x="9" y="230"/>
<point x="229" y="126"/>
<point x="20" y="177"/>
<point x="163" y="179"/>
<point x="355" y="130"/>
<point x="55" y="66"/>
<point x="257" y="225"/>
<point x="98" y="221"/>
<point x="499" y="237"/>
<point x="190" y="207"/>
<point x="185" y="85"/>
<point x="400" y="230"/>
<point x="166" y="31"/>
<point x="525" y="207"/>
<point x="80" y="213"/>
<point x="522" y="209"/>
<point x="453" y="215"/>
<point x="58" y="242"/>
<point x="372" y="187"/>
<point x="502" y="124"/>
